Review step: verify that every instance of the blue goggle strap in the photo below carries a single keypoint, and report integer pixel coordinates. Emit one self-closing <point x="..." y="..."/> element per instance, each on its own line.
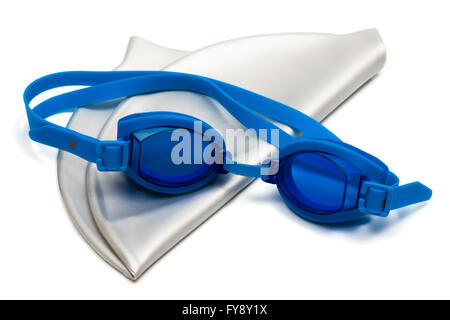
<point x="109" y="85"/>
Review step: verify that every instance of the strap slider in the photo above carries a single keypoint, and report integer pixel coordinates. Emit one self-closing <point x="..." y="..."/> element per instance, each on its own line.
<point x="375" y="199"/>
<point x="112" y="155"/>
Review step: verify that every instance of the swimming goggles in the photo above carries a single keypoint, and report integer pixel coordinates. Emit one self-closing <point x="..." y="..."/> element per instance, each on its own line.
<point x="319" y="177"/>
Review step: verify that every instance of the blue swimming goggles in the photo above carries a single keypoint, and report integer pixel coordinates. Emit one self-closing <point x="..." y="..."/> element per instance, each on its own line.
<point x="319" y="177"/>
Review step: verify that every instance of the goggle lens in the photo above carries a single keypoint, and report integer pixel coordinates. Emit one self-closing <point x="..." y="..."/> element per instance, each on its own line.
<point x="164" y="162"/>
<point x="318" y="182"/>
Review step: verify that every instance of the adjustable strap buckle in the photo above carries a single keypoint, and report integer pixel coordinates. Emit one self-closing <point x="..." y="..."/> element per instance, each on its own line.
<point x="375" y="199"/>
<point x="112" y="155"/>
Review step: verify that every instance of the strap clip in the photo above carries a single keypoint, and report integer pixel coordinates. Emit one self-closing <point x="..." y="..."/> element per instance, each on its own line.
<point x="375" y="199"/>
<point x="112" y="155"/>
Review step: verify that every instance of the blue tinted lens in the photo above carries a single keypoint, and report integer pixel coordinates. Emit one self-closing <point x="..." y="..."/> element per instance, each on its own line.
<point x="161" y="164"/>
<point x="314" y="181"/>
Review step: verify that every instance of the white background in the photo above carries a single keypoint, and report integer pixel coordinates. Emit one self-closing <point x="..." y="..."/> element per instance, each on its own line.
<point x="254" y="247"/>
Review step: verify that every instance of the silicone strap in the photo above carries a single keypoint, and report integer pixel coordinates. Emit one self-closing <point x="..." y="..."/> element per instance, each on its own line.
<point x="117" y="84"/>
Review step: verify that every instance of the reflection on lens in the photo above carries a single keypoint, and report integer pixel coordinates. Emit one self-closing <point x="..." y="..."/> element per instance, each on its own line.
<point x="314" y="181"/>
<point x="157" y="165"/>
